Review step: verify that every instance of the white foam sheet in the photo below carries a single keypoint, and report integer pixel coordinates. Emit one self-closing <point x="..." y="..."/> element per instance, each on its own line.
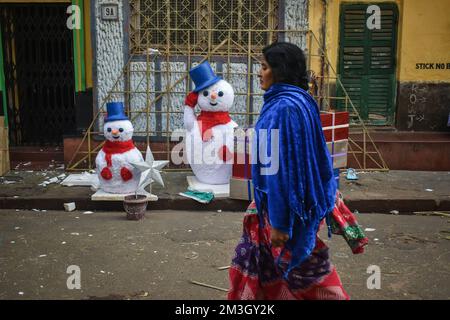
<point x="219" y="190"/>
<point x="101" y="195"/>
<point x="81" y="180"/>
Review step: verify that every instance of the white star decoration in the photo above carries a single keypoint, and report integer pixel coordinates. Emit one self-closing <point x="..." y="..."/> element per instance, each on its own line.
<point x="150" y="170"/>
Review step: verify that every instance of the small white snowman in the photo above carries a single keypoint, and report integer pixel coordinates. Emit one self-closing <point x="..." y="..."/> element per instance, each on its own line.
<point x="210" y="135"/>
<point x="113" y="162"/>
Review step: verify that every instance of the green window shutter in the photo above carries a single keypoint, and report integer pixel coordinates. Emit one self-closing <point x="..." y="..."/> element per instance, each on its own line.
<point x="367" y="61"/>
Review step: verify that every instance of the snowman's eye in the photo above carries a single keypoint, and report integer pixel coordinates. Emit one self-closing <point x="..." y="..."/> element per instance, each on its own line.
<point x="205" y="93"/>
<point x="220" y="93"/>
<point x="121" y="129"/>
<point x="109" y="129"/>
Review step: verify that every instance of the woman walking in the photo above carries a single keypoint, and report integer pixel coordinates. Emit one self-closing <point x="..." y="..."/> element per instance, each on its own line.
<point x="279" y="255"/>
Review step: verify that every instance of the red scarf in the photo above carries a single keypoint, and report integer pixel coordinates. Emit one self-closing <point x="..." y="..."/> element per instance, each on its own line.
<point x="114" y="147"/>
<point x="208" y="119"/>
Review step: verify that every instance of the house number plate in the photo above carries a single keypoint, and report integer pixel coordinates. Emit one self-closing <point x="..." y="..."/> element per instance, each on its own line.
<point x="110" y="12"/>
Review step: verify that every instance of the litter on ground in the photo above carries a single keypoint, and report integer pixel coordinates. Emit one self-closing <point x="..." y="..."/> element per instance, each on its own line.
<point x="208" y="286"/>
<point x="224" y="268"/>
<point x="69" y="206"/>
<point x="191" y="255"/>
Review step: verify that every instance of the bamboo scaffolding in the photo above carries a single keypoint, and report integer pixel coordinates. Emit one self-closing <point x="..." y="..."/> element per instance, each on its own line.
<point x="228" y="51"/>
<point x="366" y="133"/>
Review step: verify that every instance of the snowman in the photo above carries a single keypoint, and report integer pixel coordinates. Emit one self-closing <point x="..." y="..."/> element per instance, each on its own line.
<point x="113" y="162"/>
<point x="210" y="135"/>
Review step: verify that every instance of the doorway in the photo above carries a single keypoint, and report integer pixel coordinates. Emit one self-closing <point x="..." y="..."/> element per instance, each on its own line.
<point x="367" y="61"/>
<point x="39" y="73"/>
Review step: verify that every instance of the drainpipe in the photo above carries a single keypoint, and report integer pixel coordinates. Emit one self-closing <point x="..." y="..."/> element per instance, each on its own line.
<point x="323" y="36"/>
<point x="3" y="82"/>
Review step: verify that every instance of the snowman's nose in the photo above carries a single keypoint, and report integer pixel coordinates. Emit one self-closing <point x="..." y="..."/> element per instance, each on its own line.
<point x="214" y="95"/>
<point x="115" y="131"/>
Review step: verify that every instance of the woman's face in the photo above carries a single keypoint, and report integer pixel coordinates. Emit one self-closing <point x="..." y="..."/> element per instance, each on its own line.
<point x="265" y="75"/>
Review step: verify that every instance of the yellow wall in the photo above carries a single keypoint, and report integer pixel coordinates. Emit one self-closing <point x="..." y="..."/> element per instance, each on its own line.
<point x="426" y="39"/>
<point x="423" y="35"/>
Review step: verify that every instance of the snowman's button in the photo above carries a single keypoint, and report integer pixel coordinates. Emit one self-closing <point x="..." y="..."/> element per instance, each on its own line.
<point x="126" y="174"/>
<point x="106" y="173"/>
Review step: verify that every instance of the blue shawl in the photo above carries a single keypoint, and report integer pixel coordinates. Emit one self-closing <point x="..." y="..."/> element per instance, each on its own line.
<point x="301" y="193"/>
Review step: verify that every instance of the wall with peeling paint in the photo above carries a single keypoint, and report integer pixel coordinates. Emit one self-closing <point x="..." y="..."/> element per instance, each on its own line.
<point x="423" y="101"/>
<point x="109" y="53"/>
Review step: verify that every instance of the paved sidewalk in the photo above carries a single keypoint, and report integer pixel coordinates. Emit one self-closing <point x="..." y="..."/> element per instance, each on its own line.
<point x="381" y="192"/>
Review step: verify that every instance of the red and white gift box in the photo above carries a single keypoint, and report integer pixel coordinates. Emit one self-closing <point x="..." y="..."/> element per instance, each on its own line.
<point x="241" y="181"/>
<point x="243" y="138"/>
<point x="335" y="127"/>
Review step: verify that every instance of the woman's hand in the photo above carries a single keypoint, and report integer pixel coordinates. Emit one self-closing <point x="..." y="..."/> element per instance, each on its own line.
<point x="278" y="238"/>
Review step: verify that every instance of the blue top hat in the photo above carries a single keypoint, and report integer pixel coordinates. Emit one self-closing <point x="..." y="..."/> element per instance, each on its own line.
<point x="115" y="112"/>
<point x="203" y="76"/>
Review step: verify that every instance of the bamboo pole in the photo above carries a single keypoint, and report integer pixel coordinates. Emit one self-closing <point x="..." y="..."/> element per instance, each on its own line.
<point x="249" y="77"/>
<point x="71" y="166"/>
<point x="366" y="131"/>
<point x="232" y="49"/>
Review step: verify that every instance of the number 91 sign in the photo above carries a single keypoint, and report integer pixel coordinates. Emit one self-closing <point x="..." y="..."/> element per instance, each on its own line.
<point x="110" y="12"/>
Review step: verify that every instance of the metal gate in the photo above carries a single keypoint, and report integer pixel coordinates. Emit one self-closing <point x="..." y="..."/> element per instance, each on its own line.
<point x="39" y="76"/>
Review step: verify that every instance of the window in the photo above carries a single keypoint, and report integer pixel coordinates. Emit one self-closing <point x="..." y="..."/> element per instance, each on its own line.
<point x="201" y="25"/>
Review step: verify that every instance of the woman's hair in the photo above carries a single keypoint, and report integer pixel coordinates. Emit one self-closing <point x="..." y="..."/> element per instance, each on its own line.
<point x="288" y="64"/>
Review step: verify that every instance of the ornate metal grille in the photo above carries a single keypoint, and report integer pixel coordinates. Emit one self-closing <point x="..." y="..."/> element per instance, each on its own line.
<point x="39" y="72"/>
<point x="201" y="24"/>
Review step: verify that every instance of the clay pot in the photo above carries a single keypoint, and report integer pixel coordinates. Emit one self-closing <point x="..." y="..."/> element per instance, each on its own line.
<point x="135" y="207"/>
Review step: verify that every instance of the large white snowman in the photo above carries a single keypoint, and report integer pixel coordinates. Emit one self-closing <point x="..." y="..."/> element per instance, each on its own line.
<point x="115" y="173"/>
<point x="210" y="135"/>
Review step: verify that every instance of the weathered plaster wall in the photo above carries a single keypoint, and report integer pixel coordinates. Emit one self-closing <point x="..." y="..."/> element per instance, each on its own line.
<point x="138" y="100"/>
<point x="423" y="106"/>
<point x="296" y="18"/>
<point x="423" y="96"/>
<point x="423" y="102"/>
<point x="109" y="55"/>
